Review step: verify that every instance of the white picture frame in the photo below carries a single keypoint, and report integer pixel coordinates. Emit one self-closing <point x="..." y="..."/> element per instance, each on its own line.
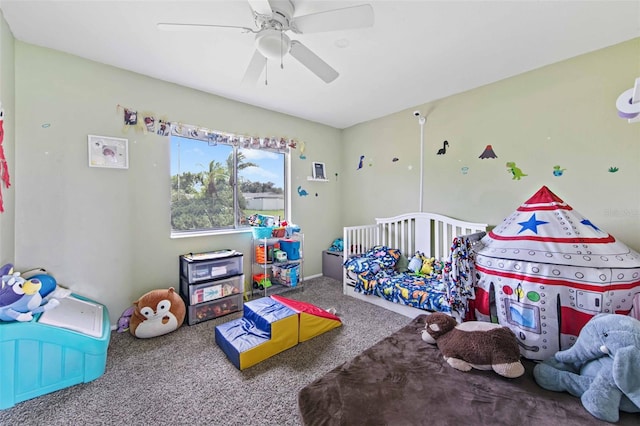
<point x="108" y="152"/>
<point x="318" y="171"/>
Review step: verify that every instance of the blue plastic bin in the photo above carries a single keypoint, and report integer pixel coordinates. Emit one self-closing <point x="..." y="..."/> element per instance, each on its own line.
<point x="291" y="247"/>
<point x="41" y="358"/>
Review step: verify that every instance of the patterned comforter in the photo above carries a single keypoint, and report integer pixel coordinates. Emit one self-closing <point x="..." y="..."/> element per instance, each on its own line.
<point x="447" y="291"/>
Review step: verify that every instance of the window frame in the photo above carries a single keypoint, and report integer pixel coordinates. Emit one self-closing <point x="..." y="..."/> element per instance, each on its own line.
<point x="237" y="143"/>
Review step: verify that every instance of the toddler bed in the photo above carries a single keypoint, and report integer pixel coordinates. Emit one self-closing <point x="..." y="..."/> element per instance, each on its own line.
<point x="376" y="256"/>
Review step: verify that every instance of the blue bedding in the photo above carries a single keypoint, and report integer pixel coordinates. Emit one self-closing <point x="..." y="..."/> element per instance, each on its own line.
<point x="447" y="289"/>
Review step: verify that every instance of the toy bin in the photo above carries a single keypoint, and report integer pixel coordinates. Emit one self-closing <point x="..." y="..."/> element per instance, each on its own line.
<point x="286" y="275"/>
<point x="59" y="348"/>
<point x="291" y="247"/>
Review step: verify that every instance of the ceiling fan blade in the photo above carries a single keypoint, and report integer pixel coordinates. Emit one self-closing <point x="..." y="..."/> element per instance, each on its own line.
<point x="256" y="65"/>
<point x="170" y="26"/>
<point x="335" y="20"/>
<point x="261" y="7"/>
<point x="312" y="61"/>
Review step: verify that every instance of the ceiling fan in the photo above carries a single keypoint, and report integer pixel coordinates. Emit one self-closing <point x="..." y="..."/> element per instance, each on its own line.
<point x="273" y="18"/>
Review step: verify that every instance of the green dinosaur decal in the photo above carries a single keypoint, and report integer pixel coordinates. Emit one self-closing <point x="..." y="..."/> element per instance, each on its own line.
<point x="515" y="171"/>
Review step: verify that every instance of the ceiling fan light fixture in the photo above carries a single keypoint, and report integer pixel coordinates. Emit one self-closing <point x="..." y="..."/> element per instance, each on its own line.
<point x="272" y="44"/>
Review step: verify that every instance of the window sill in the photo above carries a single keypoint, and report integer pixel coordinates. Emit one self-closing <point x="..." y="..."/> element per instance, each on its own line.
<point x="187" y="234"/>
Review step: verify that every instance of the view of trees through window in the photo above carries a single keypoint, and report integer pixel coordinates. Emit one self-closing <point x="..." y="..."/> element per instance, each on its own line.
<point x="216" y="187"/>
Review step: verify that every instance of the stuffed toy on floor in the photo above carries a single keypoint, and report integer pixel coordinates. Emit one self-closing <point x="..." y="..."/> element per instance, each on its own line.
<point x="156" y="313"/>
<point x="602" y="368"/>
<point x="474" y="344"/>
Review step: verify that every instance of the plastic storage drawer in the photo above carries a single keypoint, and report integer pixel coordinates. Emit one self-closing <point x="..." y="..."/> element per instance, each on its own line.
<point x="214" y="309"/>
<point x="211" y="290"/>
<point x="198" y="267"/>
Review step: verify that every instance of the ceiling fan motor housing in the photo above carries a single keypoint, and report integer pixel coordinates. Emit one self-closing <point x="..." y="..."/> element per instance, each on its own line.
<point x="280" y="18"/>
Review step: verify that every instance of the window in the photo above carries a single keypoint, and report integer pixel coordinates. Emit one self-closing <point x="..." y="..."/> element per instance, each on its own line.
<point x="217" y="186"/>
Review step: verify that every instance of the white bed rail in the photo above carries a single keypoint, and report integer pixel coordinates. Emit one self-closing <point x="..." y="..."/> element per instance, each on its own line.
<point x="430" y="233"/>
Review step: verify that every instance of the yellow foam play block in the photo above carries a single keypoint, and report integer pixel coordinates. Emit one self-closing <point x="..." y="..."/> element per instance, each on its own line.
<point x="284" y="335"/>
<point x="313" y="320"/>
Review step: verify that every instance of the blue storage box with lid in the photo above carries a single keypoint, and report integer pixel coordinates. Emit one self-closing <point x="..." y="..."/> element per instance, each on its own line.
<point x="291" y="247"/>
<point x="59" y="348"/>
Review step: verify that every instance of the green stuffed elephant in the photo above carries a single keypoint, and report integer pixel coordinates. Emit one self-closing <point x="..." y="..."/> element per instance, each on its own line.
<point x="602" y="367"/>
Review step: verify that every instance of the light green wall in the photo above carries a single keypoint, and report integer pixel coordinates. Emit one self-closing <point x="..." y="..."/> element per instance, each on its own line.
<point x="105" y="232"/>
<point x="563" y="114"/>
<point x="7" y="96"/>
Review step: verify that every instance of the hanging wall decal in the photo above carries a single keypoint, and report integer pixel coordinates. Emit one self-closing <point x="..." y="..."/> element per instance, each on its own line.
<point x="464" y="170"/>
<point x="302" y="148"/>
<point x="395" y="159"/>
<point x="149" y="123"/>
<point x="4" y="167"/>
<point x="488" y="153"/>
<point x="302" y="192"/>
<point x="613" y="169"/>
<point x="443" y="150"/>
<point x="515" y="171"/>
<point x="360" y="163"/>
<point x="164" y="128"/>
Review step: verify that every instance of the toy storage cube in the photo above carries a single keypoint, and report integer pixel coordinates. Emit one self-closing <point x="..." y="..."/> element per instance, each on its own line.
<point x="57" y="349"/>
<point x="332" y="264"/>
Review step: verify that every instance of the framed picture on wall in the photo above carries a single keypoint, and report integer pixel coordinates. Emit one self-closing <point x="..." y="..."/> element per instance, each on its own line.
<point x="105" y="151"/>
<point x="318" y="171"/>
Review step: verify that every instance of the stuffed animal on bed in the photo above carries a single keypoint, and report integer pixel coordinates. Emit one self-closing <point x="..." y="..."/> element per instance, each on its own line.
<point x="602" y="367"/>
<point x="421" y="265"/>
<point x="156" y="313"/>
<point x="474" y="344"/>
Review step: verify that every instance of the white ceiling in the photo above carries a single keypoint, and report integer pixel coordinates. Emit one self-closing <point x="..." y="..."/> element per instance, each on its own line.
<point x="416" y="52"/>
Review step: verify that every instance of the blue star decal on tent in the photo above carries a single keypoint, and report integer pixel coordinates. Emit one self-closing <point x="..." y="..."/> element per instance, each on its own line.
<point x="531" y="224"/>
<point x="587" y="222"/>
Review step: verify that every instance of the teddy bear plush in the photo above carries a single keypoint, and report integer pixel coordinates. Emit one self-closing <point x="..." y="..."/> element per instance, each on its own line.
<point x="474" y="344"/>
<point x="602" y="367"/>
<point x="156" y="313"/>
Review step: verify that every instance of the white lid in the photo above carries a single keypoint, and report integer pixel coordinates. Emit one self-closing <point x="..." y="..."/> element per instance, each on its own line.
<point x="75" y="314"/>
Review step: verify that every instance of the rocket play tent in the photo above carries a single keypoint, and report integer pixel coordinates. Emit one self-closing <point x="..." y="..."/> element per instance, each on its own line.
<point x="547" y="269"/>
